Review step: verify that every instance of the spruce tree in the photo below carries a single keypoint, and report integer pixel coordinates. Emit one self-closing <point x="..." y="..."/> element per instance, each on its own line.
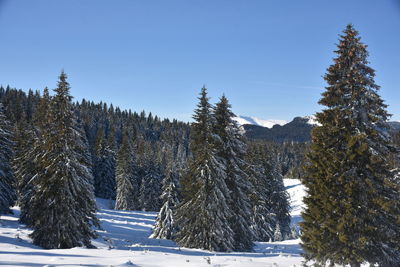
<point x="126" y="176"/>
<point x="104" y="168"/>
<point x="31" y="147"/>
<point x="262" y="217"/>
<point x="7" y="181"/>
<point x="271" y="209"/>
<point x="203" y="218"/>
<point x="232" y="149"/>
<point x="24" y="168"/>
<point x="63" y="202"/>
<point x="278" y="198"/>
<point x="352" y="203"/>
<point x="150" y="188"/>
<point x="165" y="227"/>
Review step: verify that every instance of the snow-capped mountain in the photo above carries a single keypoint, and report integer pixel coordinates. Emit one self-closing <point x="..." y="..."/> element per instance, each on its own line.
<point x="311" y="120"/>
<point x="242" y="120"/>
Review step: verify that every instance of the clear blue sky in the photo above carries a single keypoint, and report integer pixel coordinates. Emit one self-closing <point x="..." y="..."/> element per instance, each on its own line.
<point x="268" y="57"/>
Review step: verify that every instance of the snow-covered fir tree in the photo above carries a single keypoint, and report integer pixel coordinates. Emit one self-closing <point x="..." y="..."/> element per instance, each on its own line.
<point x="203" y="217"/>
<point x="278" y="233"/>
<point x="352" y="204"/>
<point x="104" y="168"/>
<point x="126" y="176"/>
<point x="150" y="188"/>
<point x="24" y="168"/>
<point x="232" y="149"/>
<point x="278" y="198"/>
<point x="63" y="202"/>
<point x="270" y="199"/>
<point x="263" y="218"/>
<point x="30" y="147"/>
<point x="165" y="227"/>
<point x="7" y="181"/>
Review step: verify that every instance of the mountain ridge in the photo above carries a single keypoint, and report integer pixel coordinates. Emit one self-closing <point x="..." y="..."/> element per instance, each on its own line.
<point x="297" y="130"/>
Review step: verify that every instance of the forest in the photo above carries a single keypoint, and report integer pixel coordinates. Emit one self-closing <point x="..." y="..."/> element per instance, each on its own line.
<point x="213" y="188"/>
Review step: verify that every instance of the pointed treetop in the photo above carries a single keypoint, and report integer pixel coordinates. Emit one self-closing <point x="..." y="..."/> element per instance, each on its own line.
<point x="62" y="85"/>
<point x="46" y="93"/>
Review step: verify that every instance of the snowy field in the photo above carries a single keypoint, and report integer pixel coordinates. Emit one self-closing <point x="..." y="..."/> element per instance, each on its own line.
<point x="124" y="241"/>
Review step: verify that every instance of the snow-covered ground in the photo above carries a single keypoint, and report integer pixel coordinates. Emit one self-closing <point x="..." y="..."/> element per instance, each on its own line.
<point x="124" y="242"/>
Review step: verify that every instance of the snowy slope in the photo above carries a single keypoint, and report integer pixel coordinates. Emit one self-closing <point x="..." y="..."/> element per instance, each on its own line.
<point x="124" y="242"/>
<point x="296" y="192"/>
<point x="260" y="122"/>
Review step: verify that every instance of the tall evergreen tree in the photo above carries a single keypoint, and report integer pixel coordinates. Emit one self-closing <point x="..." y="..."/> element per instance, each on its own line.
<point x="263" y="218"/>
<point x="7" y="181"/>
<point x="352" y="203"/>
<point x="270" y="200"/>
<point x="278" y="198"/>
<point x="150" y="188"/>
<point x="203" y="219"/>
<point x="24" y="167"/>
<point x="63" y="203"/>
<point x="165" y="227"/>
<point x="127" y="178"/>
<point x="104" y="168"/>
<point x="232" y="149"/>
<point x="31" y="145"/>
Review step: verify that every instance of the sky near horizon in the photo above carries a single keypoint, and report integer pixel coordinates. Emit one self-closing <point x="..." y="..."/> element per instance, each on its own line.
<point x="267" y="57"/>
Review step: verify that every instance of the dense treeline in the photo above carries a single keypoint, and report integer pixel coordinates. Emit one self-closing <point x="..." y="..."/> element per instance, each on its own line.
<point x="52" y="145"/>
<point x="213" y="189"/>
<point x="155" y="142"/>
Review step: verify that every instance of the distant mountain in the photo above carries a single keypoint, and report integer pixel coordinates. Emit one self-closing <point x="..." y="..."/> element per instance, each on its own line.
<point x="395" y="126"/>
<point x="242" y="120"/>
<point x="298" y="130"/>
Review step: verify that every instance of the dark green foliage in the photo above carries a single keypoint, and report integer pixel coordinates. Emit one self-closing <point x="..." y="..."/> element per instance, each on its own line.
<point x="203" y="218"/>
<point x="104" y="168"/>
<point x="232" y="149"/>
<point x="150" y="188"/>
<point x="7" y="180"/>
<point x="147" y="134"/>
<point x="270" y="200"/>
<point x="29" y="148"/>
<point x="127" y="178"/>
<point x="352" y="213"/>
<point x="63" y="207"/>
<point x="24" y="168"/>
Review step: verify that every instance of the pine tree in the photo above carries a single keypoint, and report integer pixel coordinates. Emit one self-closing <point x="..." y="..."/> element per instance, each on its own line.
<point x="7" y="181"/>
<point x="232" y="149"/>
<point x="127" y="178"/>
<point x="203" y="219"/>
<point x="63" y="203"/>
<point x="352" y="203"/>
<point x="165" y="227"/>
